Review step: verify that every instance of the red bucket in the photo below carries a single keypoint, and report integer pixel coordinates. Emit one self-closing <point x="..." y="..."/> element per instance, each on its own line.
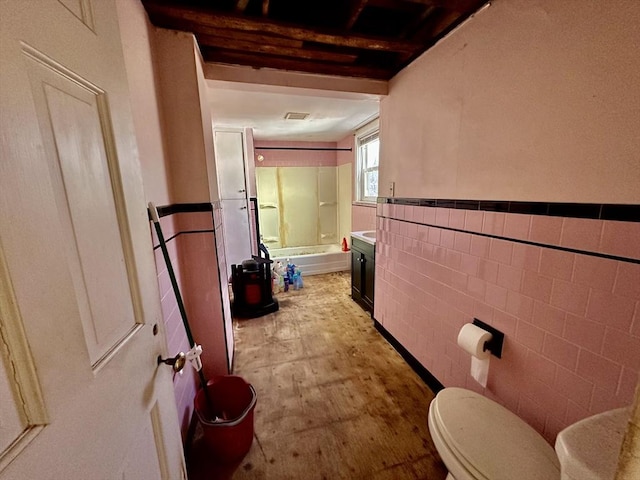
<point x="227" y="418"/>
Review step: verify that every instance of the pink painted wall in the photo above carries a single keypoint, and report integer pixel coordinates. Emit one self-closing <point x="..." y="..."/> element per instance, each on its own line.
<point x="363" y="216"/>
<point x="345" y="157"/>
<point x="137" y="43"/>
<point x="288" y="78"/>
<point x="525" y="102"/>
<point x="186" y="136"/>
<point x="173" y="130"/>
<point x="189" y="146"/>
<point x="295" y="158"/>
<point x="571" y="320"/>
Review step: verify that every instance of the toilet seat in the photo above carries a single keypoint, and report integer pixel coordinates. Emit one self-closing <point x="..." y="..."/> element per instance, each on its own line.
<point x="480" y="439"/>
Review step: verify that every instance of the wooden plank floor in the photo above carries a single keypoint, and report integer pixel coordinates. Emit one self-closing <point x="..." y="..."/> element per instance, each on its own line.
<point x="334" y="399"/>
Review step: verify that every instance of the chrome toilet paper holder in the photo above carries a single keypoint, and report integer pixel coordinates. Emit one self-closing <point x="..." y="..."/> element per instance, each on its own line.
<point x="497" y="338"/>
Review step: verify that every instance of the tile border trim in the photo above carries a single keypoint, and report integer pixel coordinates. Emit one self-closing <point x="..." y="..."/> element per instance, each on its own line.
<point x="186" y="232"/>
<point x="173" y="208"/>
<point x="597" y="211"/>
<point x="525" y="242"/>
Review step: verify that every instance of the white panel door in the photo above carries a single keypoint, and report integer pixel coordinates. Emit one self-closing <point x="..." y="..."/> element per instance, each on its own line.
<point x="80" y="323"/>
<point x="229" y="149"/>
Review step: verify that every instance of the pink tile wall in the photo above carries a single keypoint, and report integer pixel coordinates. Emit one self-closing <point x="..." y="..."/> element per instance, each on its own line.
<point x="296" y="158"/>
<point x="200" y="288"/>
<point x="571" y="320"/>
<point x="194" y="262"/>
<point x="184" y="384"/>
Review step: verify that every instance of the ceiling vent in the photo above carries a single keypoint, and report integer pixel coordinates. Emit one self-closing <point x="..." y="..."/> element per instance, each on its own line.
<point x="295" y="116"/>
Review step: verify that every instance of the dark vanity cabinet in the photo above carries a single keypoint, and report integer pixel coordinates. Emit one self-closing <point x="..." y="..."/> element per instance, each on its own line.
<point x="362" y="273"/>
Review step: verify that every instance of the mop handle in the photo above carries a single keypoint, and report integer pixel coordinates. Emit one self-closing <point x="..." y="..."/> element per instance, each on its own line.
<point x="183" y="313"/>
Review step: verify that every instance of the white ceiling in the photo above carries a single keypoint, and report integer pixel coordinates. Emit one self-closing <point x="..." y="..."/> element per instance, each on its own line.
<point x="332" y="115"/>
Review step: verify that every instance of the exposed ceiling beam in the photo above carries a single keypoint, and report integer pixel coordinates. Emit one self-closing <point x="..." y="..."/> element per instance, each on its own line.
<point x="277" y="50"/>
<point x="198" y="31"/>
<point x="356" y="8"/>
<point x="166" y="16"/>
<point x="414" y="26"/>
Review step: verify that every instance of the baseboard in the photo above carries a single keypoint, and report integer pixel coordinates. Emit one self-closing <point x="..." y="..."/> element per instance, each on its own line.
<point x="427" y="377"/>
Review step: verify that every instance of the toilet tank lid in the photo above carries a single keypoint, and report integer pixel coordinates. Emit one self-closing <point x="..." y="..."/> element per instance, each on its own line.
<point x="589" y="448"/>
<point x="491" y="439"/>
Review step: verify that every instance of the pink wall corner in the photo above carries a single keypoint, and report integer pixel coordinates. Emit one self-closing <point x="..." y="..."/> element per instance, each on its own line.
<point x="344" y="157"/>
<point x="363" y="217"/>
<point x="186" y="131"/>
<point x="206" y="179"/>
<point x="571" y="319"/>
<point x="203" y="301"/>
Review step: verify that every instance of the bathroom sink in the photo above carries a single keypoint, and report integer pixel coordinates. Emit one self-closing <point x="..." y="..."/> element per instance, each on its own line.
<point x="589" y="449"/>
<point x="368" y="236"/>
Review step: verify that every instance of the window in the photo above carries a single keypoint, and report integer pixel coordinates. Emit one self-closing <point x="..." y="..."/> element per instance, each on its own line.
<point x="368" y="147"/>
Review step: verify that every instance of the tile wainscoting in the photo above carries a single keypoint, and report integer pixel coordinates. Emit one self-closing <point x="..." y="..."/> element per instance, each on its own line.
<point x="565" y="290"/>
<point x="189" y="231"/>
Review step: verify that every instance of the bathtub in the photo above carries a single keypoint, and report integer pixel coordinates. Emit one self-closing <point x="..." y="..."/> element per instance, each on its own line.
<point x="315" y="259"/>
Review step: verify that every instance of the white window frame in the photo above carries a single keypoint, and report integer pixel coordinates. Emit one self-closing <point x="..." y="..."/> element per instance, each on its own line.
<point x="363" y="136"/>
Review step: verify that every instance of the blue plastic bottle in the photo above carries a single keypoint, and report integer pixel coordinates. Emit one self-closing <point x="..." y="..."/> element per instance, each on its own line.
<point x="290" y="270"/>
<point x="298" y="278"/>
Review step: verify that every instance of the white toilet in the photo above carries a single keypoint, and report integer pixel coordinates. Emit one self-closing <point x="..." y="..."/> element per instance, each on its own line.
<point x="478" y="439"/>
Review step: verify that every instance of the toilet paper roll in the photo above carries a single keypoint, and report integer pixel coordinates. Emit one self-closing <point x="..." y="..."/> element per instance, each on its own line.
<point x="472" y="339"/>
<point x="480" y="370"/>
